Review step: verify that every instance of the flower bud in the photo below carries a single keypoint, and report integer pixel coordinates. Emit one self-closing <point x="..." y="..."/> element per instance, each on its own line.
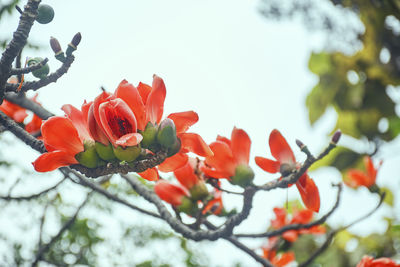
<point x="175" y="148"/>
<point x="166" y="135"/>
<point x="300" y="144"/>
<point x="105" y="152"/>
<point x="55" y="45"/>
<point x="199" y="191"/>
<point x="45" y="14"/>
<point x="88" y="157"/>
<point x="73" y="44"/>
<point x="39" y="73"/>
<point x="149" y="135"/>
<point x="187" y="206"/>
<point x="129" y="153"/>
<point x="336" y="137"/>
<point x="243" y="177"/>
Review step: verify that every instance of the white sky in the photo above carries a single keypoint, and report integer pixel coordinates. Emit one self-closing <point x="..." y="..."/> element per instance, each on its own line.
<point x="221" y="59"/>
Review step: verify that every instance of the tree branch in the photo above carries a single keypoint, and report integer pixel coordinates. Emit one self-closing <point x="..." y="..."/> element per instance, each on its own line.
<point x="29" y="69"/>
<point x="22" y="101"/>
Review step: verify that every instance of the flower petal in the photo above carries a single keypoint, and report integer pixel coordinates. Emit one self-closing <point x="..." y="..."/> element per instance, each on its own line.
<point x="240" y="144"/>
<point x="52" y="160"/>
<point x="217" y="174"/>
<point x="183" y="120"/>
<point x="170" y="193"/>
<point x="309" y="193"/>
<point x="290" y="235"/>
<point x="60" y="134"/>
<point x="280" y="149"/>
<point x="131" y="96"/>
<point x="150" y="174"/>
<point x="95" y="130"/>
<point x="268" y="165"/>
<point x="155" y="101"/>
<point x="131" y="139"/>
<point x="194" y="143"/>
<point x="358" y="178"/>
<point x="371" y="170"/>
<point x="186" y="175"/>
<point x="144" y="91"/>
<point x="78" y="120"/>
<point x="172" y="163"/>
<point x="222" y="160"/>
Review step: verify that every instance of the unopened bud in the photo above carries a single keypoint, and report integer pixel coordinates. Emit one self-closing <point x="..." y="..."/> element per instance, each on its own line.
<point x="76" y="39"/>
<point x="149" y="135"/>
<point x="127" y="154"/>
<point x="336" y="137"/>
<point x="39" y="73"/>
<point x="89" y="157"/>
<point x="199" y="191"/>
<point x="299" y="144"/>
<point x="243" y="177"/>
<point x="55" y="45"/>
<point x="175" y="148"/>
<point x="166" y="135"/>
<point x="187" y="206"/>
<point x="45" y="14"/>
<point x="105" y="152"/>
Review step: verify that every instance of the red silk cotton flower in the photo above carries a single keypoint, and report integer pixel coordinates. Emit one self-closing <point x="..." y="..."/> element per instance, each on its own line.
<point x="357" y="178"/>
<point x="63" y="138"/>
<point x="230" y="159"/>
<point x="284" y="163"/>
<point x="368" y="261"/>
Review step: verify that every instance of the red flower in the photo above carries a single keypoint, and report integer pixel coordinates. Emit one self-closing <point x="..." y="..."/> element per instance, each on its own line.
<point x="285" y="163"/>
<point x="190" y="142"/>
<point x="34" y="125"/>
<point x="215" y="205"/>
<point x="170" y="193"/>
<point x="269" y="253"/>
<point x="358" y="178"/>
<point x="228" y="154"/>
<point x="13" y="111"/>
<point x="368" y="261"/>
<point x="63" y="138"/>
<point x="299" y="217"/>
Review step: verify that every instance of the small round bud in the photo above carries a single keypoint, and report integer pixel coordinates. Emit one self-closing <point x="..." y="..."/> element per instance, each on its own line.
<point x="55" y="45"/>
<point x="336" y="137"/>
<point x="39" y="73"/>
<point x="45" y="14"/>
<point x="76" y="39"/>
<point x="188" y="206"/>
<point x="89" y="157"/>
<point x="243" y="177"/>
<point x="166" y="135"/>
<point x="105" y="152"/>
<point x="300" y="144"/>
<point x="199" y="191"/>
<point x="149" y="135"/>
<point x="127" y="154"/>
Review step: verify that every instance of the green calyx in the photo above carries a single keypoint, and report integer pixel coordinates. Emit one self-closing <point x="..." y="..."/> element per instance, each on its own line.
<point x="166" y="135"/>
<point x="187" y="206"/>
<point x="105" y="152"/>
<point x="127" y="154"/>
<point x="199" y="191"/>
<point x="243" y="177"/>
<point x="175" y="148"/>
<point x="39" y="73"/>
<point x="89" y="157"/>
<point x="149" y="135"/>
<point x="45" y="14"/>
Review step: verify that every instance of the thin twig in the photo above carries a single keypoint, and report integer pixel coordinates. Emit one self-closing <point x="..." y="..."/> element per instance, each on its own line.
<point x="298" y="226"/>
<point x="42" y="250"/>
<point x="29" y="104"/>
<point x="18" y="71"/>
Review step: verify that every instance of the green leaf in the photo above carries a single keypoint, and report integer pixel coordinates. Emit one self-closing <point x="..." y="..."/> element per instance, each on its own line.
<point x="389" y="198"/>
<point x="341" y="158"/>
<point x="320" y="63"/>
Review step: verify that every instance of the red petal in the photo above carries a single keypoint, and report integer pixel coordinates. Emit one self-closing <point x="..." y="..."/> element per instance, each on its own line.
<point x="369" y="164"/>
<point x="194" y="143"/>
<point x="78" y="120"/>
<point x="85" y="109"/>
<point x="302" y="216"/>
<point x="60" y="134"/>
<point x="290" y="235"/>
<point x="217" y="174"/>
<point x="34" y="125"/>
<point x="155" y="100"/>
<point x="284" y="259"/>
<point x="186" y="175"/>
<point x="183" y="120"/>
<point x="280" y="219"/>
<point x="172" y="163"/>
<point x="309" y="194"/>
<point x="240" y="144"/>
<point x="224" y="139"/>
<point x="222" y="160"/>
<point x="280" y="149"/>
<point x="359" y="178"/>
<point x="95" y="129"/>
<point x="268" y="165"/>
<point x="170" y="193"/>
<point x="131" y="96"/>
<point x="52" y="160"/>
<point x="131" y="139"/>
<point x="144" y="91"/>
<point x="150" y="174"/>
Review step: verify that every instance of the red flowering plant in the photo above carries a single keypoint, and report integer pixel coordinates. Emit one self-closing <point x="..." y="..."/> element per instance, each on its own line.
<point x="356" y="178"/>
<point x="368" y="261"/>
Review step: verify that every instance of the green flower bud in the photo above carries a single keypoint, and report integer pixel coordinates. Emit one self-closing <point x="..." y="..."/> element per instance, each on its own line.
<point x="149" y="135"/>
<point x="39" y="73"/>
<point x="175" y="148"/>
<point x="187" y="206"/>
<point x="127" y="154"/>
<point x="45" y="14"/>
<point x="243" y="177"/>
<point x="166" y="135"/>
<point x="105" y="152"/>
<point x="88" y="157"/>
<point x="199" y="191"/>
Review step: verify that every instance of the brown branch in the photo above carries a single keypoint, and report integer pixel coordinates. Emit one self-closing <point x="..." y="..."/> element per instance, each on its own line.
<point x="18" y="41"/>
<point x="297" y="226"/>
<point x="51" y="78"/>
<point x="33" y="196"/>
<point x="29" y="69"/>
<point x="22" y="101"/>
